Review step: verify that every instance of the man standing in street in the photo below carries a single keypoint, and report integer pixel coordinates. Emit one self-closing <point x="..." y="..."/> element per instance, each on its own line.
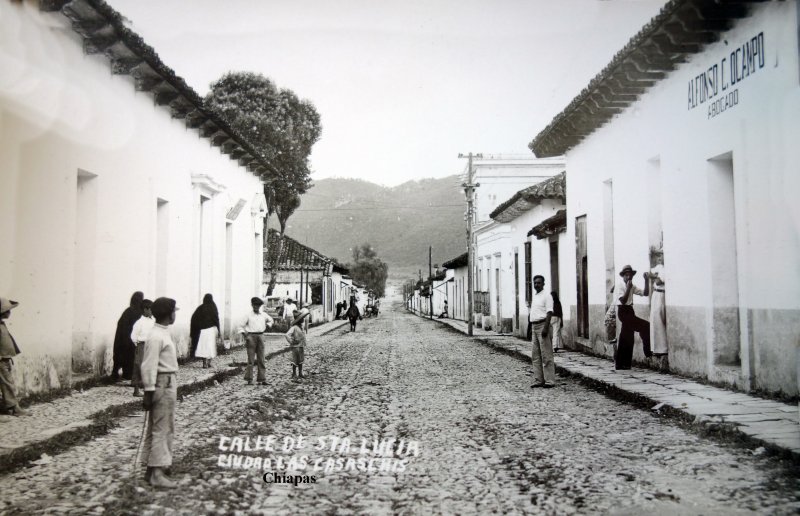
<point x="288" y="311"/>
<point x="253" y="326"/>
<point x="540" y="311"/>
<point x="8" y="350"/>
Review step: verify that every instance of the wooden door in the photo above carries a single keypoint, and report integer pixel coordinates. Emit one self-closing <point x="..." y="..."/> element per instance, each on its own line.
<point x="582" y="276"/>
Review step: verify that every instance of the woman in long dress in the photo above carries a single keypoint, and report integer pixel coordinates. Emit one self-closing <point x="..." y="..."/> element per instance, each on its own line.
<point x="658" y="313"/>
<point x="204" y="327"/>
<point x="124" y="348"/>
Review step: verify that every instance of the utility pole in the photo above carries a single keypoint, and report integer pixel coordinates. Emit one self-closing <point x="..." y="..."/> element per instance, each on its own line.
<point x="430" y="278"/>
<point x="469" y="192"/>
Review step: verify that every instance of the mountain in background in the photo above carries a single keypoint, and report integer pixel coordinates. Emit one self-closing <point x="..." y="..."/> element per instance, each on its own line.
<point x="400" y="222"/>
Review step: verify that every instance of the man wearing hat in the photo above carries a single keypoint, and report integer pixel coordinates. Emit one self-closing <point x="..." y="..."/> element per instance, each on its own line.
<point x="630" y="323"/>
<point x="288" y="310"/>
<point x="8" y="350"/>
<point x="253" y="325"/>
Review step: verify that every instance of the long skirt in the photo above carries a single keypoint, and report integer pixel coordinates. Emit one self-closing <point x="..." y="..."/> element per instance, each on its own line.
<point x="207" y="345"/>
<point x="658" y="323"/>
<point x="556" y="323"/>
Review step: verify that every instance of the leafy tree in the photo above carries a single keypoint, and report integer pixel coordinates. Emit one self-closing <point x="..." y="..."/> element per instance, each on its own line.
<point x="368" y="269"/>
<point x="282" y="127"/>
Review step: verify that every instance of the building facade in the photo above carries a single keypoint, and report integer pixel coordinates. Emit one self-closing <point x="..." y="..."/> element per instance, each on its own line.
<point x="682" y="153"/>
<point x="116" y="179"/>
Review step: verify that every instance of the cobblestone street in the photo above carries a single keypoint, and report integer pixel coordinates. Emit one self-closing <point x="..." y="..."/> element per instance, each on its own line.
<point x="487" y="443"/>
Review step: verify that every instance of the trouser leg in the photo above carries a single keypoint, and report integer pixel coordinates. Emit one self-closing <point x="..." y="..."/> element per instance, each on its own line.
<point x="250" y="345"/>
<point x="161" y="424"/>
<point x="7" y="386"/>
<point x="546" y="370"/>
<point x="262" y="367"/>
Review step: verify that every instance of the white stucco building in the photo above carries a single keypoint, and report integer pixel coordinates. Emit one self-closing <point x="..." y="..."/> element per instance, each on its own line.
<point x="508" y="255"/>
<point x="116" y="178"/>
<point x="684" y="150"/>
<point x="456" y="287"/>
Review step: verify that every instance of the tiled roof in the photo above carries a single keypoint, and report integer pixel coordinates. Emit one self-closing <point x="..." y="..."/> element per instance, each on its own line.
<point x="550" y="226"/>
<point x="455" y="263"/>
<point x="682" y="28"/>
<point x="104" y="32"/>
<point x="293" y="256"/>
<point x="527" y="198"/>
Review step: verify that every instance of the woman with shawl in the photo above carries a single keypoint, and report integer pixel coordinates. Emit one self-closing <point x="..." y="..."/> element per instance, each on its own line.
<point x="124" y="348"/>
<point x="204" y="330"/>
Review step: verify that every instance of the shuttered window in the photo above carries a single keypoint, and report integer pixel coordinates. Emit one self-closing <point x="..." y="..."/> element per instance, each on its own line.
<point x="528" y="278"/>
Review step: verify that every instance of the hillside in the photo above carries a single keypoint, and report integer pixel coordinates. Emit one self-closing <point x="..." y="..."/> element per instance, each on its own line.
<point x="400" y="222"/>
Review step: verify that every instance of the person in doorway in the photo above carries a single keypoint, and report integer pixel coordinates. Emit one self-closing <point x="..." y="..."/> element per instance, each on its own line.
<point x="160" y="380"/>
<point x="124" y="349"/>
<point x="658" y="311"/>
<point x="540" y="313"/>
<point x="253" y="326"/>
<point x="297" y="342"/>
<point x="139" y="334"/>
<point x="204" y="330"/>
<point x="557" y="323"/>
<point x="625" y="290"/>
<point x="338" y="310"/>
<point x="8" y="350"/>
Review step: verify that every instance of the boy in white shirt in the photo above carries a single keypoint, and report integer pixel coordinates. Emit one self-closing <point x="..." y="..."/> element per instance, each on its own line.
<point x="141" y="329"/>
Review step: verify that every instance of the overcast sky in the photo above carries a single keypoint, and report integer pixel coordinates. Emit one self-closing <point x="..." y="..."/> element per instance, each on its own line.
<point x="402" y="86"/>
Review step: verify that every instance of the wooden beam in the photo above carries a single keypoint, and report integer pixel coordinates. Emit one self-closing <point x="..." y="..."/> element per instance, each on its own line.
<point x="195" y="119"/>
<point x="165" y="96"/>
<point x="219" y="138"/>
<point x="207" y="129"/>
<point x="50" y="6"/>
<point x="99" y="43"/>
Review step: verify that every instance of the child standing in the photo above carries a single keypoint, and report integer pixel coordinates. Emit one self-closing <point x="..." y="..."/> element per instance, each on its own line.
<point x="297" y="342"/>
<point x="8" y="350"/>
<point x="160" y="379"/>
<point x="141" y="329"/>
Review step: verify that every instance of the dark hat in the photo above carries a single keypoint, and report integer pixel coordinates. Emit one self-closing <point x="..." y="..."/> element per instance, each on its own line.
<point x="289" y="300"/>
<point x="302" y="314"/>
<point x="7" y="304"/>
<point x="256" y="301"/>
<point x="162" y="307"/>
<point x="627" y="268"/>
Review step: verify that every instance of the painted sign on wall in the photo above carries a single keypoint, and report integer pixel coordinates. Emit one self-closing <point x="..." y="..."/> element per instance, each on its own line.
<point x="717" y="86"/>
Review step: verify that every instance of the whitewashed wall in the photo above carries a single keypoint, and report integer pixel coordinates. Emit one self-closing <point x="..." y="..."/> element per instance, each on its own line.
<point x="662" y="135"/>
<point x="73" y="259"/>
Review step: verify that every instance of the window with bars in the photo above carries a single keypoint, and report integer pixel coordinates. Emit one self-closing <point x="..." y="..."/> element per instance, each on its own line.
<point x="528" y="273"/>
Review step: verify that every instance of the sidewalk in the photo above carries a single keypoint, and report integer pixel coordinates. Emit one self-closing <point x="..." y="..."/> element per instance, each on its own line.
<point x="763" y="422"/>
<point x="63" y="422"/>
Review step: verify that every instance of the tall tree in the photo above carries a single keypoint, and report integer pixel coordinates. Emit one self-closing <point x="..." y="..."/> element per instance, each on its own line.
<point x="282" y="127"/>
<point x="368" y="269"/>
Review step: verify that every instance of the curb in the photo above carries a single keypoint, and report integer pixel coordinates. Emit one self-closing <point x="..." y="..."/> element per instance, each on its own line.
<point x="707" y="427"/>
<point x="103" y="421"/>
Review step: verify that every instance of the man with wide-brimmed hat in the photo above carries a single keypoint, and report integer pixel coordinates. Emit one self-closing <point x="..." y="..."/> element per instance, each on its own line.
<point x="625" y="290"/>
<point x="8" y="350"/>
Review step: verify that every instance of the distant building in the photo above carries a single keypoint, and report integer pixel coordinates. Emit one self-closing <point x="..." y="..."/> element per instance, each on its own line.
<point x="509" y="252"/>
<point x="116" y="178"/>
<point x="456" y="289"/>
<point x="305" y="275"/>
<point x="683" y="151"/>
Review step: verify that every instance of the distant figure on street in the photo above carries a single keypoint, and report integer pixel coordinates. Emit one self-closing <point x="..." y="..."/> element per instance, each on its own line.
<point x="353" y="313"/>
<point x="296" y="338"/>
<point x="658" y="311"/>
<point x="8" y="350"/>
<point x="204" y="330"/>
<point x="541" y="311"/>
<point x="160" y="380"/>
<point x="557" y="323"/>
<point x="288" y="310"/>
<point x="444" y="314"/>
<point x="124" y="349"/>
<point x="625" y="289"/>
<point x="139" y="334"/>
<point x="338" y="310"/>
<point x="253" y="326"/>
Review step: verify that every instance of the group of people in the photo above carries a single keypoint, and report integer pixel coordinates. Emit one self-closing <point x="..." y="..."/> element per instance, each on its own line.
<point x="146" y="354"/>
<point x="625" y="290"/>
